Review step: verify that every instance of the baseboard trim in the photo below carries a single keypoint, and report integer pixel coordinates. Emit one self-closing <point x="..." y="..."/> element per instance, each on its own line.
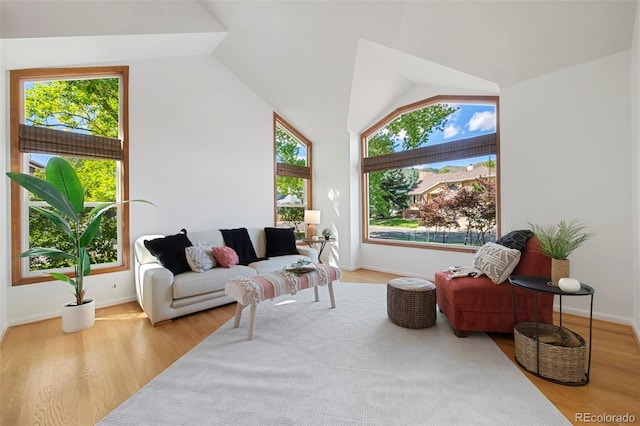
<point x="56" y="314"/>
<point x="396" y="272"/>
<point x="3" y="332"/>
<point x="596" y="315"/>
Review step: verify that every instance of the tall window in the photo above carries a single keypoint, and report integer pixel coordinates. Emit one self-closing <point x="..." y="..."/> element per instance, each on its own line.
<point x="79" y="114"/>
<point x="430" y="175"/>
<point x="293" y="175"/>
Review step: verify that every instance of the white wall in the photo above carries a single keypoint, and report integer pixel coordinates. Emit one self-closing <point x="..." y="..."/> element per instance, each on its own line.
<point x="565" y="149"/>
<point x="635" y="176"/>
<point x="331" y="192"/>
<point x="200" y="149"/>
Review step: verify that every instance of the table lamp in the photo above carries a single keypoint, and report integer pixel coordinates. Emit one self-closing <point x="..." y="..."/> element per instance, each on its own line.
<point x="311" y="218"/>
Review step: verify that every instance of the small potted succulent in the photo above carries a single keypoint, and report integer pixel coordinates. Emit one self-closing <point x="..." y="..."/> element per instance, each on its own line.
<point x="326" y="233"/>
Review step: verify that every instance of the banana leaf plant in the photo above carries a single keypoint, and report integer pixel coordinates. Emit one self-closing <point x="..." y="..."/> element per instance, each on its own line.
<point x="62" y="191"/>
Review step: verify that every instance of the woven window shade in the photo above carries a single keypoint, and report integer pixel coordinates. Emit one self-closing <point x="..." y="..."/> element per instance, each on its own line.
<point x="292" y="170"/>
<point x="58" y="142"/>
<point x="450" y="151"/>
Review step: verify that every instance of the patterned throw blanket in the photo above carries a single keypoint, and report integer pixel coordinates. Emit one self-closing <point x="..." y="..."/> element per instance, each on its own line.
<point x="463" y="271"/>
<point x="270" y="285"/>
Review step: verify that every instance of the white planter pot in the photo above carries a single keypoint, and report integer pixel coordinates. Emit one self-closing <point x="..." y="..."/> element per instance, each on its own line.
<point x="76" y="318"/>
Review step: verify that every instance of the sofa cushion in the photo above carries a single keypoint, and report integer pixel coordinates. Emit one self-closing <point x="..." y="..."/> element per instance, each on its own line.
<point x="238" y="239"/>
<point x="169" y="251"/>
<point x="225" y="256"/>
<point x="280" y="241"/>
<point x="496" y="261"/>
<point x="200" y="258"/>
<point x="192" y="284"/>
<point x="516" y="239"/>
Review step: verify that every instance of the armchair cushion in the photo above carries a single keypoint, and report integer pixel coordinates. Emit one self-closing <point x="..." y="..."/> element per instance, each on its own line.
<point x="477" y="304"/>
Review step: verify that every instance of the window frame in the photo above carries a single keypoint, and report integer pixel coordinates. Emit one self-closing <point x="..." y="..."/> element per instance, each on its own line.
<point x="364" y="184"/>
<point x="19" y="208"/>
<point x="280" y="121"/>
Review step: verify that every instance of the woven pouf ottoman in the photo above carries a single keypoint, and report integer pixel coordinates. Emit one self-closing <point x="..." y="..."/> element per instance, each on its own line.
<point x="411" y="302"/>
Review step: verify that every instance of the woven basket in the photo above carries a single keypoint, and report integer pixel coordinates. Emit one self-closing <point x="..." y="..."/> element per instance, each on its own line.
<point x="561" y="363"/>
<point x="411" y="308"/>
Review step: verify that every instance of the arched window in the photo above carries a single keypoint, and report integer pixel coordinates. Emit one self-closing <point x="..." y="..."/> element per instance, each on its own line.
<point x="430" y="174"/>
<point x="292" y="175"/>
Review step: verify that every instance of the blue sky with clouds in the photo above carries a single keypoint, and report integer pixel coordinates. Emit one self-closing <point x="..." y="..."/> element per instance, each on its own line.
<point x="470" y="120"/>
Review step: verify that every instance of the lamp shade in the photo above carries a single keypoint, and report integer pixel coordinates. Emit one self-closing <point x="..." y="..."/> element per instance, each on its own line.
<point x="312" y="216"/>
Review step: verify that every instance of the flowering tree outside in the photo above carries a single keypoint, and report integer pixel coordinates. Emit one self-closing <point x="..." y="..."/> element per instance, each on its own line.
<point x="471" y="207"/>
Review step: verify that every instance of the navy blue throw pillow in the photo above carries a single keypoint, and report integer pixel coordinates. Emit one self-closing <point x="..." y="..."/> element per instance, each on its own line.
<point x="516" y="239"/>
<point x="169" y="251"/>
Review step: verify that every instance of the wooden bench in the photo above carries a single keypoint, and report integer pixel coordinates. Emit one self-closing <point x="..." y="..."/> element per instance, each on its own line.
<point x="253" y="290"/>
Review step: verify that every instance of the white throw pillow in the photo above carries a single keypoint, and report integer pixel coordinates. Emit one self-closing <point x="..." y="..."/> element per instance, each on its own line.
<point x="496" y="261"/>
<point x="200" y="258"/>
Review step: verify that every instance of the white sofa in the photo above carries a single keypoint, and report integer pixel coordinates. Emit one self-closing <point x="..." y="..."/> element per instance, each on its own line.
<point x="164" y="296"/>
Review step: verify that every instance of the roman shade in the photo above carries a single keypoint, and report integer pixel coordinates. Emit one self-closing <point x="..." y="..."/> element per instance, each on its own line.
<point x="73" y="144"/>
<point x="293" y="170"/>
<point x="450" y="151"/>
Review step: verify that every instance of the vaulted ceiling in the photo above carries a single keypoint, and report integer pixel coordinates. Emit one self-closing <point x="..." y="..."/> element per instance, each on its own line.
<point x="327" y="65"/>
<point x="343" y="63"/>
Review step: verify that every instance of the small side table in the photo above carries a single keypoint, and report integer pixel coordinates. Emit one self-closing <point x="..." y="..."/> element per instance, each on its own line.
<point x="539" y="285"/>
<point x="322" y="241"/>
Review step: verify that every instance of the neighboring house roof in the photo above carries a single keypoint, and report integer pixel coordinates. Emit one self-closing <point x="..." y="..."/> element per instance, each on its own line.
<point x="429" y="180"/>
<point x="34" y="165"/>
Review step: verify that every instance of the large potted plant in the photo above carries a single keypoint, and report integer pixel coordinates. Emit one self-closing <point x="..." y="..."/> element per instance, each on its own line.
<point x="62" y="191"/>
<point x="558" y="242"/>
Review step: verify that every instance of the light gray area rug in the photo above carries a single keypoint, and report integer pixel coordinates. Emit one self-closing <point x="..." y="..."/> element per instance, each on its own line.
<point x="312" y="365"/>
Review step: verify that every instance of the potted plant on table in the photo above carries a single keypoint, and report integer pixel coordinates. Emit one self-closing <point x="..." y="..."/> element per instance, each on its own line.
<point x="326" y="233"/>
<point x="62" y="191"/>
<point x="558" y="242"/>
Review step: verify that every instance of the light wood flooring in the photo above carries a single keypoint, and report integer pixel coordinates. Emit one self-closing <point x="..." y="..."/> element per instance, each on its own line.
<point x="48" y="377"/>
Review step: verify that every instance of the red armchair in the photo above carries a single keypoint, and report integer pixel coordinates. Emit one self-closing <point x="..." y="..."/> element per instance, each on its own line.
<point x="477" y="304"/>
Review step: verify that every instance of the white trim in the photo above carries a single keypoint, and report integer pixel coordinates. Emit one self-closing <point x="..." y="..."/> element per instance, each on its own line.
<point x="57" y="313"/>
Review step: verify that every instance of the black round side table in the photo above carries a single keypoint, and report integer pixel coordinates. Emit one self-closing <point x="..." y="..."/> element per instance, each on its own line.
<point x="541" y="285"/>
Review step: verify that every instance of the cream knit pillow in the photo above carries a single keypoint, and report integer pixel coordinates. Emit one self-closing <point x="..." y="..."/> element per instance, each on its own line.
<point x="496" y="261"/>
